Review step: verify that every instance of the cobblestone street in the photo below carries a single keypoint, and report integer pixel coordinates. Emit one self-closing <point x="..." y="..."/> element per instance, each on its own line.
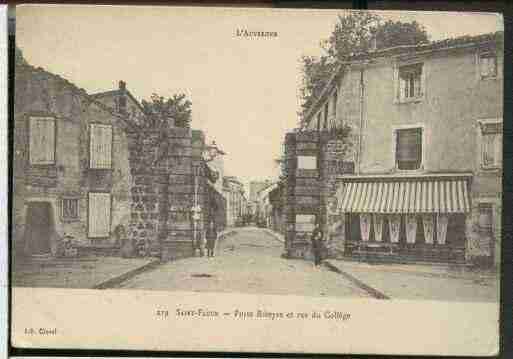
<point x="246" y="262"/>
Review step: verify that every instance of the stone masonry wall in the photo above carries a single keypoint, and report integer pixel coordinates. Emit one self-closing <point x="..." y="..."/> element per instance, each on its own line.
<point x="148" y="188"/>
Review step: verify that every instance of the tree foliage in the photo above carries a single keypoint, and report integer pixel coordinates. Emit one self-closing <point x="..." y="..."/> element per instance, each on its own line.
<point x="316" y="73"/>
<point x="396" y="33"/>
<point x="356" y="32"/>
<point x="160" y="111"/>
<point x="352" y="34"/>
<point x="18" y="57"/>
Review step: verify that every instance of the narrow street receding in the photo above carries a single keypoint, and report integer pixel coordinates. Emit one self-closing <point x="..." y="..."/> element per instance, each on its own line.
<point x="248" y="261"/>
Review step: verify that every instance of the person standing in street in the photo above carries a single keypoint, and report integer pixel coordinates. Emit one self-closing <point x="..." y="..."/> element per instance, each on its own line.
<point x="211" y="238"/>
<point x="317" y="237"/>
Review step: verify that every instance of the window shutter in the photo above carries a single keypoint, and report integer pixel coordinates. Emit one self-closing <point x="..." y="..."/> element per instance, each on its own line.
<point x="498" y="149"/>
<point x="101" y="146"/>
<point x="396" y="83"/>
<point x="42" y="141"/>
<point x="409" y="144"/>
<point x="403" y="88"/>
<point x="489" y="150"/>
<point x="99" y="215"/>
<point x="417" y="86"/>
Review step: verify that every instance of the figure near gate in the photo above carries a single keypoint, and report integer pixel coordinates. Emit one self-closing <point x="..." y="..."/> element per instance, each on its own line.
<point x="317" y="238"/>
<point x="211" y="235"/>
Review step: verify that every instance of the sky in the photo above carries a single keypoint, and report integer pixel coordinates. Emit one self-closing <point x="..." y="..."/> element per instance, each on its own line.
<point x="244" y="90"/>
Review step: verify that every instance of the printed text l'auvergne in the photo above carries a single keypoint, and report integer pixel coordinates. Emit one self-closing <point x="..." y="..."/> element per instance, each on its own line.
<point x="255" y="34"/>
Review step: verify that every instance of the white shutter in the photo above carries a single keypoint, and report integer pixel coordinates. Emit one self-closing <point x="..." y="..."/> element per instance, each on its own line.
<point x="395" y="79"/>
<point x="403" y="89"/>
<point x="441" y="228"/>
<point x="365" y="226"/>
<point x="99" y="215"/>
<point x="428" y="221"/>
<point x="93" y="143"/>
<point x="498" y="149"/>
<point x="42" y="141"/>
<point x="394" y="225"/>
<point x="378" y="227"/>
<point x="411" y="228"/>
<point x="100" y="146"/>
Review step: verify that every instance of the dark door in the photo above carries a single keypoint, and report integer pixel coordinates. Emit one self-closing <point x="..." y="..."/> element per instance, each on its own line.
<point x="39" y="227"/>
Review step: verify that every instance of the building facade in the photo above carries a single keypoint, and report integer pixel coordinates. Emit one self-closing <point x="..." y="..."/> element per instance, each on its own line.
<point x="254" y="188"/>
<point x="88" y="175"/>
<point x="236" y="201"/>
<point x="265" y="205"/>
<point x="71" y="172"/>
<point x="425" y="124"/>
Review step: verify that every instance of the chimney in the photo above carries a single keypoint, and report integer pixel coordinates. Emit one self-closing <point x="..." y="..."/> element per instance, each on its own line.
<point x="122" y="98"/>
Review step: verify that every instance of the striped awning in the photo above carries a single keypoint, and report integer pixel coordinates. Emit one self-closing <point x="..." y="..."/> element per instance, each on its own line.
<point x="399" y="195"/>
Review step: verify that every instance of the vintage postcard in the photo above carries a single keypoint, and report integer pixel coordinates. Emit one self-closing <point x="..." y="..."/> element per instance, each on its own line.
<point x="257" y="180"/>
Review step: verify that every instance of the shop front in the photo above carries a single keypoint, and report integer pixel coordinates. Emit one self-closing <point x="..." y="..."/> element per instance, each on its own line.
<point x="422" y="218"/>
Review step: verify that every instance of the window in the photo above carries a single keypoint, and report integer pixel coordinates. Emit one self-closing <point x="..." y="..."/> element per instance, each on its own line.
<point x="69" y="208"/>
<point x="409" y="148"/>
<point x="410" y="82"/>
<point x="99" y="215"/>
<point x="307" y="162"/>
<point x="487" y="65"/>
<point x="100" y="146"/>
<point x="491" y="145"/>
<point x="42" y="141"/>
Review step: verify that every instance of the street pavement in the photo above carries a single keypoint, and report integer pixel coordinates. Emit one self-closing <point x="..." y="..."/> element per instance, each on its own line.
<point x="248" y="261"/>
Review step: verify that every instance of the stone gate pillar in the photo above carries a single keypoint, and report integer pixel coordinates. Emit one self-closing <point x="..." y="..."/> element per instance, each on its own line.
<point x="177" y="241"/>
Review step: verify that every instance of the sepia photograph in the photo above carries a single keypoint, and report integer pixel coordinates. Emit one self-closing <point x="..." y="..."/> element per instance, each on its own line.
<point x="315" y="154"/>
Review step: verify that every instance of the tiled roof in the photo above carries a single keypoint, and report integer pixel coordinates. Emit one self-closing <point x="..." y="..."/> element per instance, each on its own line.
<point x="466" y="40"/>
<point x="20" y="67"/>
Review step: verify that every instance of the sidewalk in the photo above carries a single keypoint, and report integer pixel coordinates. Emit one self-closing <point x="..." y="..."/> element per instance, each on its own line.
<point x="414" y="282"/>
<point x="84" y="272"/>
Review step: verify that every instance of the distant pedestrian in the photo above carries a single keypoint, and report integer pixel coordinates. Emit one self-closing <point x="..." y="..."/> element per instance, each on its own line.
<point x="201" y="243"/>
<point x="317" y="237"/>
<point x="211" y="238"/>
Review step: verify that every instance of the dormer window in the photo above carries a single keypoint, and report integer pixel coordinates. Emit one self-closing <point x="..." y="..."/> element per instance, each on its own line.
<point x="410" y="82"/>
<point x="488" y="65"/>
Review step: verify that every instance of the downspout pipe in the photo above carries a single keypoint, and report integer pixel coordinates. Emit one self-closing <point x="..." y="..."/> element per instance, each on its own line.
<point x="360" y="137"/>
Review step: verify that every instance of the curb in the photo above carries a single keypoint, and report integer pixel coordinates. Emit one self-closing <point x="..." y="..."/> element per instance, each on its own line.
<point x="111" y="283"/>
<point x="372" y="291"/>
<point x="274" y="235"/>
<point x="225" y="233"/>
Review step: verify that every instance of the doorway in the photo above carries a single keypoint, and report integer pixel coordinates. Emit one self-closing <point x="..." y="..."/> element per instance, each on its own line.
<point x="39" y="228"/>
